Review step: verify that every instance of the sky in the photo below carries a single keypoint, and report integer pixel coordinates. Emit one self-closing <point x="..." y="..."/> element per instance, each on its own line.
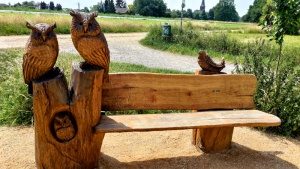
<point x="241" y="6"/>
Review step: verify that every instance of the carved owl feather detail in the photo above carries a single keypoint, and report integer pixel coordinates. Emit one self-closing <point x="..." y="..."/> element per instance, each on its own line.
<point x="40" y="53"/>
<point x="89" y="40"/>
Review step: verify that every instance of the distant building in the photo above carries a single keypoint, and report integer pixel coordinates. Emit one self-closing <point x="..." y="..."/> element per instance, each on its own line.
<point x="1" y="4"/>
<point x="202" y="6"/>
<point x="121" y="10"/>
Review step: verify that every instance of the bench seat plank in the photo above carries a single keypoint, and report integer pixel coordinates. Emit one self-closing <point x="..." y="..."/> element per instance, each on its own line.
<point x="178" y="121"/>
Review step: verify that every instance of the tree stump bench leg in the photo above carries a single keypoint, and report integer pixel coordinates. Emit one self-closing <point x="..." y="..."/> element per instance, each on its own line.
<point x="213" y="140"/>
<point x="65" y="120"/>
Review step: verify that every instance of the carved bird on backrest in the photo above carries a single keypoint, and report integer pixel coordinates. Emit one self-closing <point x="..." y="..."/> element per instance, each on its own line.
<point x="40" y="53"/>
<point x="206" y="63"/>
<point x="90" y="41"/>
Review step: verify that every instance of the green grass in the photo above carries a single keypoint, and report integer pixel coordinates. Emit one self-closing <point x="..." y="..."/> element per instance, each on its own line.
<point x="14" y="23"/>
<point x="16" y="104"/>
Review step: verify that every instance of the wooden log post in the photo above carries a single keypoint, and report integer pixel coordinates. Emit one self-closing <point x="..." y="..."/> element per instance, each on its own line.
<point x="212" y="140"/>
<point x="64" y="120"/>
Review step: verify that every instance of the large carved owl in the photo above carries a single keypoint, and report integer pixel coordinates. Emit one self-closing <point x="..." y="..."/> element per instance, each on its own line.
<point x="40" y="53"/>
<point x="90" y="41"/>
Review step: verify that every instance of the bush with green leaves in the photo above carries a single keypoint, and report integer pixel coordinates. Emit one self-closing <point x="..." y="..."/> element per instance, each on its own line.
<point x="278" y="94"/>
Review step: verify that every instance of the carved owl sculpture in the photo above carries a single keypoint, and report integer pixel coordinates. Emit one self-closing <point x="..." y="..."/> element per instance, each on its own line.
<point x="90" y="41"/>
<point x="206" y="63"/>
<point x="64" y="127"/>
<point x="40" y="53"/>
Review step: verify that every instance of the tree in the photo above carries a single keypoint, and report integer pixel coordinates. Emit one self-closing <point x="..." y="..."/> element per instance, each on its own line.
<point x="155" y="8"/>
<point x="254" y="12"/>
<point x="58" y="7"/>
<point x="25" y="3"/>
<point x="85" y="9"/>
<point x="267" y="11"/>
<point x="189" y="13"/>
<point x="130" y="9"/>
<point x="174" y="14"/>
<point x="225" y="11"/>
<point x="197" y="15"/>
<point x="112" y="8"/>
<point x="120" y="4"/>
<point x="106" y="6"/>
<point x="43" y="5"/>
<point x="203" y="15"/>
<point x="286" y="20"/>
<point x="17" y="4"/>
<point x="51" y="6"/>
<point x="211" y="14"/>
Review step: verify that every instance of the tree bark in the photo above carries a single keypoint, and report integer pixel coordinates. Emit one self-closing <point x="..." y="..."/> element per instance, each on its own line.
<point x="65" y="120"/>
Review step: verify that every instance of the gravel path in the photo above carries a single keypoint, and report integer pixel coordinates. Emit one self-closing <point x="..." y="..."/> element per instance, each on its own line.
<point x="125" y="48"/>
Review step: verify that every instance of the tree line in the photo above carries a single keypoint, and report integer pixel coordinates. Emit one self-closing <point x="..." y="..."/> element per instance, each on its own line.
<point x="33" y="5"/>
<point x="223" y="11"/>
<point x="265" y="12"/>
<point x="50" y="6"/>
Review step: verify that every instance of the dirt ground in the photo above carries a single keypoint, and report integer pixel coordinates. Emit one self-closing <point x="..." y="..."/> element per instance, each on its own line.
<point x="165" y="149"/>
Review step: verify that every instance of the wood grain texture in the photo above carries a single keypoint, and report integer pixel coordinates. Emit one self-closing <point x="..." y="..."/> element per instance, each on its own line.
<point x="179" y="121"/>
<point x="142" y="91"/>
<point x="64" y="120"/>
<point x="215" y="139"/>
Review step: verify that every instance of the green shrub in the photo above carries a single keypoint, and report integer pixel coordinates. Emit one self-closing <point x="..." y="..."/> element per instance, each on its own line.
<point x="190" y="42"/>
<point x="15" y="103"/>
<point x="276" y="94"/>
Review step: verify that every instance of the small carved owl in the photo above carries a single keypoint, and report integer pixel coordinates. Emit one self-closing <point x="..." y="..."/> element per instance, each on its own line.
<point x="90" y="41"/>
<point x="64" y="127"/>
<point x="40" y="53"/>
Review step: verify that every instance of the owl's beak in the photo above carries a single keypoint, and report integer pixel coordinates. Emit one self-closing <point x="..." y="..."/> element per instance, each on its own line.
<point x="85" y="27"/>
<point x="44" y="38"/>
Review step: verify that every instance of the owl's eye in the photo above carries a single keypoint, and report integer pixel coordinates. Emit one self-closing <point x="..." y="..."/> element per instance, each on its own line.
<point x="90" y="24"/>
<point x="48" y="34"/>
<point x="80" y="23"/>
<point x="39" y="34"/>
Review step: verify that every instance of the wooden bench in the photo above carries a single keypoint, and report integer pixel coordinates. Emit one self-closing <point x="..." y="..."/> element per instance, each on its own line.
<point x="69" y="128"/>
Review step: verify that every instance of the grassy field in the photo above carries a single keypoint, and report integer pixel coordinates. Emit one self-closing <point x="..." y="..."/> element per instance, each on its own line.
<point x="14" y="23"/>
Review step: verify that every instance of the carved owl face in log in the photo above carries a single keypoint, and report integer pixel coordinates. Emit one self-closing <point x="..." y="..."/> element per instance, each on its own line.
<point x="64" y="127"/>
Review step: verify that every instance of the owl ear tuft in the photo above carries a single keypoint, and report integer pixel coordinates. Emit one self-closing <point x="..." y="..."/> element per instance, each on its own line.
<point x="53" y="25"/>
<point x="28" y="25"/>
<point x="73" y="13"/>
<point x="95" y="14"/>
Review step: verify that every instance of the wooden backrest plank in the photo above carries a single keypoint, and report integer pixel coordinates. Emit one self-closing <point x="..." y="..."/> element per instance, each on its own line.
<point x="147" y="91"/>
